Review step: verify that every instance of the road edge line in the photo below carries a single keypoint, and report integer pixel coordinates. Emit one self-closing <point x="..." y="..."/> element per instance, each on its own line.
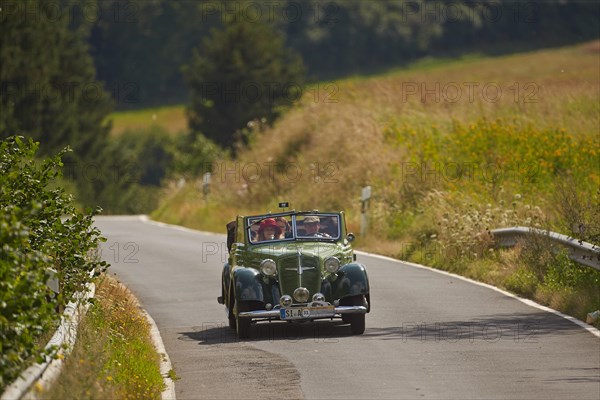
<point x="147" y="220"/>
<point x="165" y="361"/>
<point x="594" y="331"/>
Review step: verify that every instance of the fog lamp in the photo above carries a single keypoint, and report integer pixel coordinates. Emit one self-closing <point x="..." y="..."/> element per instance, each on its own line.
<point x="301" y="295"/>
<point x="285" y="300"/>
<point x="318" y="297"/>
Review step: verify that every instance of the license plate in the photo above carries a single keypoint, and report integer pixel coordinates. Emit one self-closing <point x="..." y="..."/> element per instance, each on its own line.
<point x="306" y="312"/>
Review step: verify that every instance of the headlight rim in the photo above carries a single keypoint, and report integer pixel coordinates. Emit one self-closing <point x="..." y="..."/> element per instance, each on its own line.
<point x="336" y="269"/>
<point x="263" y="266"/>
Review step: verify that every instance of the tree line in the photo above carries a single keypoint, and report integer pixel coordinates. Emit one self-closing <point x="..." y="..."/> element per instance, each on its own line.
<point x="334" y="38"/>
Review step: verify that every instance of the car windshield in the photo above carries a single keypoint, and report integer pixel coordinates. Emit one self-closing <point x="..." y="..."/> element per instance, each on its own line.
<point x="289" y="227"/>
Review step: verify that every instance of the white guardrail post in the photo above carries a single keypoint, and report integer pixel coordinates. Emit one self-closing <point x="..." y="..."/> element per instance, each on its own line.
<point x="62" y="341"/>
<point x="579" y="251"/>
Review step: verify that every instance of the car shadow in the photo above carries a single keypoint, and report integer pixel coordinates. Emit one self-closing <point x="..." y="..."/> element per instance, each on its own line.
<point x="317" y="331"/>
<point x="519" y="328"/>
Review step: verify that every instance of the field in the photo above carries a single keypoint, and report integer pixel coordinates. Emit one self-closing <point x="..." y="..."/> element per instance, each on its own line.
<point x="171" y="119"/>
<point x="451" y="149"/>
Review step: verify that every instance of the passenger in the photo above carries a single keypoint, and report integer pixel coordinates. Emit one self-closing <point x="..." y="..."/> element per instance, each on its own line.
<point x="284" y="225"/>
<point x="269" y="230"/>
<point x="254" y="231"/>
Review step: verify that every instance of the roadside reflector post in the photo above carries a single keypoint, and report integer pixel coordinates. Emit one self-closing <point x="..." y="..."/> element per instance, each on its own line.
<point x="364" y="200"/>
<point x="206" y="184"/>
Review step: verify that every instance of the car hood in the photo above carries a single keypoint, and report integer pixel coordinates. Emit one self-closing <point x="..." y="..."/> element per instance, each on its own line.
<point x="286" y="256"/>
<point x="284" y="249"/>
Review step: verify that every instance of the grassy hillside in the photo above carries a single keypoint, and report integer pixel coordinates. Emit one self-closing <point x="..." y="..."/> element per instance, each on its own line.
<point x="451" y="149"/>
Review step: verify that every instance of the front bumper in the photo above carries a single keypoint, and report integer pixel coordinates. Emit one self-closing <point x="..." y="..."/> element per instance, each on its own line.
<point x="275" y="313"/>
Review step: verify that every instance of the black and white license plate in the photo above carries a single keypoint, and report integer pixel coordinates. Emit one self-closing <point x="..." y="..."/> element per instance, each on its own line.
<point x="306" y="312"/>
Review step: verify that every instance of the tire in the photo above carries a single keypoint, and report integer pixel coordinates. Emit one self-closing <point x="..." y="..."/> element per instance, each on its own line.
<point x="242" y="324"/>
<point x="231" y="319"/>
<point x="231" y="314"/>
<point x="356" y="321"/>
<point x="357" y="324"/>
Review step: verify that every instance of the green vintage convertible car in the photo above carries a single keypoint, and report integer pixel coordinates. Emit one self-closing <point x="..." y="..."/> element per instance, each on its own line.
<point x="293" y="266"/>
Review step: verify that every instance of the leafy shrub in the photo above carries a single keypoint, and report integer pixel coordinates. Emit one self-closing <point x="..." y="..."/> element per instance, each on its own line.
<point x="40" y="228"/>
<point x="523" y="282"/>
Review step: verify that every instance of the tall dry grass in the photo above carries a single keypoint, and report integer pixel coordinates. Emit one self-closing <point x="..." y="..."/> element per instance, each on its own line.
<point x="333" y="143"/>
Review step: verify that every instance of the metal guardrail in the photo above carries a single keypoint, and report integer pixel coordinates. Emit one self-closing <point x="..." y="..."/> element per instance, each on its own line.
<point x="579" y="251"/>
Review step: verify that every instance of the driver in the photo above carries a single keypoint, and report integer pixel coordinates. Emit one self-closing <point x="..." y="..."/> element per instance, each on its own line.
<point x="312" y="224"/>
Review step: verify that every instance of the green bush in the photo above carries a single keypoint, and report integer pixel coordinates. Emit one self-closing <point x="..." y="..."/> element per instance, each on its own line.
<point x="40" y="229"/>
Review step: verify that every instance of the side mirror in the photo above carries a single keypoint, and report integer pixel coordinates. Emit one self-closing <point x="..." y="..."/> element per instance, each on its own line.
<point x="350" y="237"/>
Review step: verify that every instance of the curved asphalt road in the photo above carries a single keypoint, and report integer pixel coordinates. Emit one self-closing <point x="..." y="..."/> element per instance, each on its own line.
<point x="428" y="335"/>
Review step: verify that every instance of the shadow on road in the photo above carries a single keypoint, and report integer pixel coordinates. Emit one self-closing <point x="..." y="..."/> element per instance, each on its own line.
<point x="518" y="328"/>
<point x="523" y="328"/>
<point x="319" y="331"/>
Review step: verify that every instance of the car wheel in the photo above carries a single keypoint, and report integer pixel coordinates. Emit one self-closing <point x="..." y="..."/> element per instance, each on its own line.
<point x="231" y="318"/>
<point x="242" y="324"/>
<point x="357" y="324"/>
<point x="356" y="321"/>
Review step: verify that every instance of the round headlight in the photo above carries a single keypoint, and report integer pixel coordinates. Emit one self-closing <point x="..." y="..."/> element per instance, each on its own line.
<point x="301" y="295"/>
<point x="318" y="297"/>
<point x="285" y="300"/>
<point x="268" y="267"/>
<point x="332" y="264"/>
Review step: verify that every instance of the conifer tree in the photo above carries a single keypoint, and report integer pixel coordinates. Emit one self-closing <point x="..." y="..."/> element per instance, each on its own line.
<point x="243" y="73"/>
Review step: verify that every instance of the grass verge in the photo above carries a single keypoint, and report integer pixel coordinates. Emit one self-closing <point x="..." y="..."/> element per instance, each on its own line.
<point x="113" y="356"/>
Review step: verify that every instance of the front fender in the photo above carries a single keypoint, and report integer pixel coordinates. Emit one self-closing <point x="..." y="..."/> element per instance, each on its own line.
<point x="225" y="281"/>
<point x="247" y="285"/>
<point x="352" y="280"/>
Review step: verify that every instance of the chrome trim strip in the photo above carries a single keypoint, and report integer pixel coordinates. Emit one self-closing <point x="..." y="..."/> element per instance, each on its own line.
<point x="260" y="314"/>
<point x="351" y="310"/>
<point x="300" y="266"/>
<point x="274" y="314"/>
